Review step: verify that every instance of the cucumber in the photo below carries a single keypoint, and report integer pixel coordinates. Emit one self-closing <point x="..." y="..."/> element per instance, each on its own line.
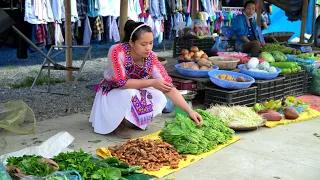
<point x="286" y="71"/>
<point x="284" y="65"/>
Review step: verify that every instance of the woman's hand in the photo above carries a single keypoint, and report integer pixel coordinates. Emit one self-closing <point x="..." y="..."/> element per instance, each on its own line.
<point x="161" y="85"/>
<point x="196" y="117"/>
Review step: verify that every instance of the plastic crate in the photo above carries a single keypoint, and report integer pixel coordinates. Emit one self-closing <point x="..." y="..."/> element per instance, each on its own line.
<point x="215" y="95"/>
<point x="183" y="84"/>
<point x="294" y="83"/>
<point x="270" y="89"/>
<point x="307" y="82"/>
<point x="204" y="44"/>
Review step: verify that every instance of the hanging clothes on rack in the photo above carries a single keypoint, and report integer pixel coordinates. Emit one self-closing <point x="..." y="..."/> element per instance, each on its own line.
<point x="82" y="7"/>
<point x="171" y="4"/>
<point x="58" y="10"/>
<point x="144" y="14"/>
<point x="97" y="29"/>
<point x="38" y="12"/>
<point x="93" y="8"/>
<point x="134" y="10"/>
<point x="59" y="40"/>
<point x="155" y="9"/>
<point x="106" y="10"/>
<point x="87" y="33"/>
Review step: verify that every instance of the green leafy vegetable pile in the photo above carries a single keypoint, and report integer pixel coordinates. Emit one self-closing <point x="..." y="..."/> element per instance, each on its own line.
<point x="31" y="165"/>
<point x="90" y="168"/>
<point x="270" y="47"/>
<point x="306" y="56"/>
<point x="188" y="138"/>
<point x="87" y="166"/>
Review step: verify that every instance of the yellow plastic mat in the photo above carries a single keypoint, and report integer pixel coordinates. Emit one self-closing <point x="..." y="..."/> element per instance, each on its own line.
<point x="305" y="116"/>
<point x="164" y="171"/>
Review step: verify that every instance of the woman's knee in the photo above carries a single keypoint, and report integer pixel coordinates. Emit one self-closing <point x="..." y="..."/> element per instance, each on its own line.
<point x="256" y="43"/>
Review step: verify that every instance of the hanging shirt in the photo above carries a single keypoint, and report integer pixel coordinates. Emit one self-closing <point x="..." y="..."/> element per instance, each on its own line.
<point x="163" y="10"/>
<point x="38" y="12"/>
<point x="58" y="35"/>
<point x="106" y="10"/>
<point x="93" y="8"/>
<point x="154" y="8"/>
<point x="43" y="11"/>
<point x="87" y="32"/>
<point x="29" y="14"/>
<point x="74" y="12"/>
<point x="58" y="10"/>
<point x="82" y="7"/>
<point x="143" y="13"/>
<point x="134" y="9"/>
<point x="171" y="6"/>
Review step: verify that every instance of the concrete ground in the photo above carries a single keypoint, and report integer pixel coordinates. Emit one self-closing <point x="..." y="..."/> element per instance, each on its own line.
<point x="290" y="152"/>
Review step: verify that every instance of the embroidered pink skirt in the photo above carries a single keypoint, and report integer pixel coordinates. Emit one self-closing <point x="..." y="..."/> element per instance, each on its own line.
<point x="137" y="106"/>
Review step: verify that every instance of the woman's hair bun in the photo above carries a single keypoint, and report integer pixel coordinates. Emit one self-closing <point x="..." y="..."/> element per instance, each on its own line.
<point x="129" y="25"/>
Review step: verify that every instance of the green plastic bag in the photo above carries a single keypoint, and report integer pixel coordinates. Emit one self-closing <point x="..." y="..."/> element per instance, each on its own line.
<point x="13" y="114"/>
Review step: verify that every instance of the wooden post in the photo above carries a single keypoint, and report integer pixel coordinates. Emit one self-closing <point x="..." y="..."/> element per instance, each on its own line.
<point x="259" y="10"/>
<point x="68" y="37"/>
<point x="123" y="16"/>
<point x="303" y="19"/>
<point x="194" y="12"/>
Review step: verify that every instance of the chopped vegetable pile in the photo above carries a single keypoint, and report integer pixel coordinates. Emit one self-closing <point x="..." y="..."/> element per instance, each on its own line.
<point x="236" y="116"/>
<point x="150" y="154"/>
<point x="188" y="138"/>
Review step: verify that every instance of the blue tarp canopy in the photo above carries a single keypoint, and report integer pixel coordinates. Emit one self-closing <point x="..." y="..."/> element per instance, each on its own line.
<point x="280" y="22"/>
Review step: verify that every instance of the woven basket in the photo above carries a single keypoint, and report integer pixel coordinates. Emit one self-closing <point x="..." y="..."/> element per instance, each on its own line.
<point x="259" y="75"/>
<point x="277" y="37"/>
<point x="230" y="84"/>
<point x="194" y="73"/>
<point x="225" y="63"/>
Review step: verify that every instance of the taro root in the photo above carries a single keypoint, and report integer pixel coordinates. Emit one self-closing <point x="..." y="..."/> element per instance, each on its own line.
<point x="290" y="113"/>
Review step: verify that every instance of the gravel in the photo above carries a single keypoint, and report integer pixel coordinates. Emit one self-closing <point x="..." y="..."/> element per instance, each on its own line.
<point x="47" y="106"/>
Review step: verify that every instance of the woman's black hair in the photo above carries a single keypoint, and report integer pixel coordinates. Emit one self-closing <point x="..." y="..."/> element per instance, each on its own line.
<point x="129" y="28"/>
<point x="249" y="2"/>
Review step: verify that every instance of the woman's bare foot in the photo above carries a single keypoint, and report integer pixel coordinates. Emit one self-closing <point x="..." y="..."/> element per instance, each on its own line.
<point x="122" y="131"/>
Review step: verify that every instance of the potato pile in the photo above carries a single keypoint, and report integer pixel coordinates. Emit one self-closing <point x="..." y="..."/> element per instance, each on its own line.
<point x="202" y="64"/>
<point x="230" y="78"/>
<point x="193" y="54"/>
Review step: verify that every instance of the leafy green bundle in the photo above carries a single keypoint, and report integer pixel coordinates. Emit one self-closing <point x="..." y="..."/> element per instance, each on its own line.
<point x="31" y="165"/>
<point x="91" y="168"/>
<point x="269" y="47"/>
<point x="188" y="138"/>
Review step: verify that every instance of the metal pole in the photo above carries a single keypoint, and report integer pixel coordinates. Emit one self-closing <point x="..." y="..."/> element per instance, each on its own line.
<point x="68" y="38"/>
